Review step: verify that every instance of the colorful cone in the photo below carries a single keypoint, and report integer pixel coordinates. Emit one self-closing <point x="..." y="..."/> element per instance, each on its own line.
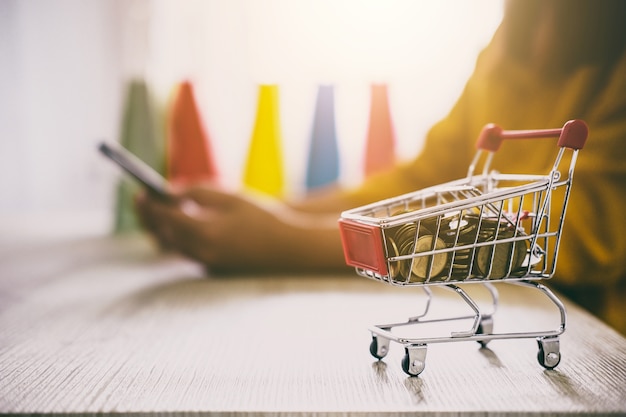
<point x="323" y="162"/>
<point x="141" y="133"/>
<point x="190" y="156"/>
<point x="380" y="145"/>
<point x="264" y="167"/>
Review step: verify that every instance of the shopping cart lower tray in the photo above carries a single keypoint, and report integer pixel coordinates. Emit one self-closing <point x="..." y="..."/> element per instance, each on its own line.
<point x="482" y="229"/>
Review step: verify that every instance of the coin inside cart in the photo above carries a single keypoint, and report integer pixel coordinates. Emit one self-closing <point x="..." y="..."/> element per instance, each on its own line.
<point x="394" y="266"/>
<point x="497" y="258"/>
<point x="422" y="264"/>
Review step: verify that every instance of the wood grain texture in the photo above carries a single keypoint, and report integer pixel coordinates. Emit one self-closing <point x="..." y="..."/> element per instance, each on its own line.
<point x="109" y="325"/>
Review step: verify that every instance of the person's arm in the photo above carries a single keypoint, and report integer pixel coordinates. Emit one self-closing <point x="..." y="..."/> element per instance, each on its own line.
<point x="236" y="233"/>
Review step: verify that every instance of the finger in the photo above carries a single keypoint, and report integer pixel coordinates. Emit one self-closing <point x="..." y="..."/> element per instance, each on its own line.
<point x="150" y="223"/>
<point x="207" y="195"/>
<point x="187" y="234"/>
<point x="155" y="215"/>
<point x="183" y="224"/>
<point x="141" y="203"/>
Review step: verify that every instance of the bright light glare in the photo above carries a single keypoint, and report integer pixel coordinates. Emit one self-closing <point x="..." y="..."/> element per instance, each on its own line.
<point x="331" y="40"/>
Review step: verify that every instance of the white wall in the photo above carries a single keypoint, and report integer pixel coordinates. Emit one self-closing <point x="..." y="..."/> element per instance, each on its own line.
<point x="59" y="92"/>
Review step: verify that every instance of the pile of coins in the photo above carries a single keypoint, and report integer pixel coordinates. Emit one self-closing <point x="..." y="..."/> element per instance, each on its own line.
<point x="410" y="239"/>
<point x="493" y="260"/>
<point x="464" y="230"/>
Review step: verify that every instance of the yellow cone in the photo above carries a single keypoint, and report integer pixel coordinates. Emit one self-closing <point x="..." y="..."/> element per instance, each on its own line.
<point x="264" y="167"/>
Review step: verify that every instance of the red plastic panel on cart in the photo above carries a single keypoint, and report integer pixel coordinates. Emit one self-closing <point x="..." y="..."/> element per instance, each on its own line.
<point x="363" y="246"/>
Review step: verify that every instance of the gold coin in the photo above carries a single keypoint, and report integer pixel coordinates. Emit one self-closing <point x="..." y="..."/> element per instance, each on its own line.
<point x="405" y="233"/>
<point x="521" y="251"/>
<point x="409" y="232"/>
<point x="406" y="248"/>
<point x="429" y="266"/>
<point x="499" y="257"/>
<point x="460" y="267"/>
<point x="460" y="233"/>
<point x="430" y="224"/>
<point x="394" y="266"/>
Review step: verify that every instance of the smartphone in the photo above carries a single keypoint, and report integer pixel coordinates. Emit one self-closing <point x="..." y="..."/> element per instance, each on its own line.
<point x="137" y="169"/>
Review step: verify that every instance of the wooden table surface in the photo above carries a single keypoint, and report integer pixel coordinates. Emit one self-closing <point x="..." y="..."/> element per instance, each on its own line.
<point x="107" y="325"/>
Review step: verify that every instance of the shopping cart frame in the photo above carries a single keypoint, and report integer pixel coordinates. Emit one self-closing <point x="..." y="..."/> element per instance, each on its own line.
<point x="467" y="232"/>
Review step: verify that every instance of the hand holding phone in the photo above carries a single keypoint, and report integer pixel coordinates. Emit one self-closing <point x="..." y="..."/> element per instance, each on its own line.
<point x="137" y="169"/>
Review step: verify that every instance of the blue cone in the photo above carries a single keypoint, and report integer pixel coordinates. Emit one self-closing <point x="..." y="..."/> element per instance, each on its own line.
<point x="323" y="164"/>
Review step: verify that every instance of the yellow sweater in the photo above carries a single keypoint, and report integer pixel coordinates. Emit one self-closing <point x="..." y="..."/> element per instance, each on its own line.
<point x="592" y="256"/>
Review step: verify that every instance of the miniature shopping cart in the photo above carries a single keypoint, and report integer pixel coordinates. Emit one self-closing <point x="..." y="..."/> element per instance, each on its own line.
<point x="483" y="229"/>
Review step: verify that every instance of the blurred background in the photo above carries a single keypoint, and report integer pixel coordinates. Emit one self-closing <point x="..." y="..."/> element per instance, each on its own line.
<point x="67" y="64"/>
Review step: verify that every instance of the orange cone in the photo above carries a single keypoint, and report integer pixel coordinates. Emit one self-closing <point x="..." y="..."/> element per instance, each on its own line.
<point x="381" y="141"/>
<point x="190" y="156"/>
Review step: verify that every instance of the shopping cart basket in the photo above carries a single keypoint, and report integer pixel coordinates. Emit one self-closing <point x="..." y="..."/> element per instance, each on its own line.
<point x="485" y="228"/>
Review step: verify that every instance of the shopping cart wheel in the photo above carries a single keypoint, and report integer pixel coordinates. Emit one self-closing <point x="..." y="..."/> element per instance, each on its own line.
<point x="549" y="354"/>
<point x="379" y="347"/>
<point x="485" y="327"/>
<point x="414" y="360"/>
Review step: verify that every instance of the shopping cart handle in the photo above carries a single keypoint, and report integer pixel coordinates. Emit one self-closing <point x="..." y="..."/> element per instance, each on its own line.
<point x="572" y="135"/>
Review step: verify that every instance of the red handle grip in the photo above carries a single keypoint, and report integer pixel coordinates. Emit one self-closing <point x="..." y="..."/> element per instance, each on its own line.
<point x="572" y="135"/>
